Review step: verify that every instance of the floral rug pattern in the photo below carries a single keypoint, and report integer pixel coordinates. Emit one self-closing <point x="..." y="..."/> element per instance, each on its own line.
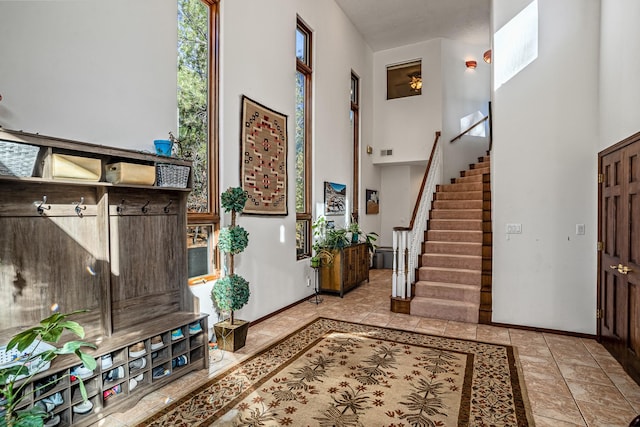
<point x="335" y="373"/>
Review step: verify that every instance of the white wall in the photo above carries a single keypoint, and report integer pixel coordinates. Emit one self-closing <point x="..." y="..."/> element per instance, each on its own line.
<point x="464" y="91"/>
<point x="260" y="63"/>
<point x="407" y="125"/>
<point x="100" y="72"/>
<point x="619" y="63"/>
<point x="543" y="173"/>
<point x="105" y="72"/>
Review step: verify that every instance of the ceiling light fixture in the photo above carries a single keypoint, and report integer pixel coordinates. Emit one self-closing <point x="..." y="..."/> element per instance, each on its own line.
<point x="471" y="64"/>
<point x="487" y="56"/>
<point x="416" y="83"/>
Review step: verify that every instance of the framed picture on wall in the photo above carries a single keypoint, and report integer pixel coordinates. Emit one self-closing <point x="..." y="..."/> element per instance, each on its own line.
<point x="335" y="198"/>
<point x="373" y="202"/>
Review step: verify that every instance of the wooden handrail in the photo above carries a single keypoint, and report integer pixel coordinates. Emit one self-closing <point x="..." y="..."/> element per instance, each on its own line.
<point x="471" y="127"/>
<point x="424" y="180"/>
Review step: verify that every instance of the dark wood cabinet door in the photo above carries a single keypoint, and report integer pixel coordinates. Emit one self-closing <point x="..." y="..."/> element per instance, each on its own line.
<point x="619" y="271"/>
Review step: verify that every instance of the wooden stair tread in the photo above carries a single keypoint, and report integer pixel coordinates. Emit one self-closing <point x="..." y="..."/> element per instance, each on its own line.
<point x="453" y="270"/>
<point x="446" y="302"/>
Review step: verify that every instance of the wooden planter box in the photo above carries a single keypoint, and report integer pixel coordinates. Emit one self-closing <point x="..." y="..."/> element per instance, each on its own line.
<point x="231" y="337"/>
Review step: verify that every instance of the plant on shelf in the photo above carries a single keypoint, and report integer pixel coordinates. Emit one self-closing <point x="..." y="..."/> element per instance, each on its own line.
<point x="32" y="351"/>
<point x="231" y="292"/>
<point x="321" y="252"/>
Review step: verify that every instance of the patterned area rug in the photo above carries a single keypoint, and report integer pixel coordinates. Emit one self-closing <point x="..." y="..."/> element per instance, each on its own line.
<point x="335" y="373"/>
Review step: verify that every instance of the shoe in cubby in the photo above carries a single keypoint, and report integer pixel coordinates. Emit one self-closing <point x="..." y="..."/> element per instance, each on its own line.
<point x="112" y="391"/>
<point x="83" y="407"/>
<point x="137" y="350"/>
<point x="157" y="342"/>
<point x="52" y="420"/>
<point x="160" y="372"/>
<point x="176" y="334"/>
<point x="195" y="328"/>
<point x="114" y="374"/>
<point x="137" y="364"/>
<point x="80" y="371"/>
<point x="178" y="362"/>
<point x="106" y="361"/>
<point x="48" y="384"/>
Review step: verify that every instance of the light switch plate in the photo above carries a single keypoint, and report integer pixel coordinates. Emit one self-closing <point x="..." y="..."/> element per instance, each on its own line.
<point x="580" y="229"/>
<point x="514" y="229"/>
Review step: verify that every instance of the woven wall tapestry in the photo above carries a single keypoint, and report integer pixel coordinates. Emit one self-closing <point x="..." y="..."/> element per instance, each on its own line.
<point x="263" y="172"/>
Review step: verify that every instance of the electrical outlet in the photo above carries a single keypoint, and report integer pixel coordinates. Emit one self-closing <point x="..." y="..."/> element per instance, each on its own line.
<point x="308" y="281"/>
<point x="580" y="229"/>
<point x="514" y="229"/>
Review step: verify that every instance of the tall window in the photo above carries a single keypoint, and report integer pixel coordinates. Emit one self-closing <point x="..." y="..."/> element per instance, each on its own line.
<point x="355" y="137"/>
<point x="303" y="139"/>
<point x="197" y="127"/>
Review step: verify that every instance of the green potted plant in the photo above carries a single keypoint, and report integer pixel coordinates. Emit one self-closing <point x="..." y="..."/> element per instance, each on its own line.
<point x="34" y="349"/>
<point x="231" y="292"/>
<point x="321" y="251"/>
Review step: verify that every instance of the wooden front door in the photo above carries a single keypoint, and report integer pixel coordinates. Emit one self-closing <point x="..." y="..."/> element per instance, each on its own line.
<point x="619" y="266"/>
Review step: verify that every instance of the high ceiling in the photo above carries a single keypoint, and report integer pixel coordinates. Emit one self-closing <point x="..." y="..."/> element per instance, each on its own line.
<point x="386" y="24"/>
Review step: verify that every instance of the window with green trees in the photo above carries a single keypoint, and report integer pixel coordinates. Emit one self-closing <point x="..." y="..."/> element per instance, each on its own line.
<point x="197" y="126"/>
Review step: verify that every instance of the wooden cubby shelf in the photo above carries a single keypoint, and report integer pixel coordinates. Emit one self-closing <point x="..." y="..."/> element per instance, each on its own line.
<point x="116" y="250"/>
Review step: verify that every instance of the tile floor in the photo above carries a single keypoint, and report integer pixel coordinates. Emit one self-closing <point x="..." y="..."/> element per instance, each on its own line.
<point x="570" y="381"/>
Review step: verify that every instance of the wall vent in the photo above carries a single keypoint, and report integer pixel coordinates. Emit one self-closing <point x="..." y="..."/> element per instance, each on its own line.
<point x="388" y="152"/>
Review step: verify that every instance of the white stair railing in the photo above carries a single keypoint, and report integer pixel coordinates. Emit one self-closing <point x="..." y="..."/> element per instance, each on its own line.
<point x="407" y="241"/>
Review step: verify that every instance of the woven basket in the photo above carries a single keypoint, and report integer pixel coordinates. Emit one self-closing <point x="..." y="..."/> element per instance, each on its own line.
<point x="172" y="175"/>
<point x="17" y="159"/>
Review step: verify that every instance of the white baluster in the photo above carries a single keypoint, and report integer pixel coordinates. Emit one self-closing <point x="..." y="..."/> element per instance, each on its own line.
<point x="402" y="278"/>
<point x="394" y="275"/>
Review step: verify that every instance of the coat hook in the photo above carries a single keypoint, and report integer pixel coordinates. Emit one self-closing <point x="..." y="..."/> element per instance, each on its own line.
<point x="120" y="208"/>
<point x="145" y="209"/>
<point x="40" y="208"/>
<point x="166" y="208"/>
<point x="79" y="209"/>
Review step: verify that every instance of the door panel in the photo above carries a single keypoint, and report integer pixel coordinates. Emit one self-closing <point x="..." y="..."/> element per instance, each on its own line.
<point x="619" y="275"/>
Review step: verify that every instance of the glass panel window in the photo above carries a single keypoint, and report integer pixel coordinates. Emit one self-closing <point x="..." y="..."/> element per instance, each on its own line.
<point x="197" y="128"/>
<point x="301" y="46"/>
<point x="201" y="257"/>
<point x="193" y="97"/>
<point x="404" y="79"/>
<point x="300" y="143"/>
<point x="303" y="140"/>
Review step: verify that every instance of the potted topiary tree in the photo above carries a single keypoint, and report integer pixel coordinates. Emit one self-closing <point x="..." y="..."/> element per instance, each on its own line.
<point x="231" y="292"/>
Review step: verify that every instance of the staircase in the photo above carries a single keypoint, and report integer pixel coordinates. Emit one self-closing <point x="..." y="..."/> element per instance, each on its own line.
<point x="449" y="279"/>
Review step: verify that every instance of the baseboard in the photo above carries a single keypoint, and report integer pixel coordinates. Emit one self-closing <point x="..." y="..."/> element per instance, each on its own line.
<point x="544" y="330"/>
<point x="285" y="308"/>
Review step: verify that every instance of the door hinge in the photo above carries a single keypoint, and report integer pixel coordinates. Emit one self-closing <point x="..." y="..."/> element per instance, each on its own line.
<point x="600" y="246"/>
<point x="599" y="313"/>
<point x="600" y="178"/>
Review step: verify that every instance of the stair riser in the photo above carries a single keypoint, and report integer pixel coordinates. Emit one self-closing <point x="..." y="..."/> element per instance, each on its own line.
<point x="453" y="236"/>
<point x="451" y="261"/>
<point x="457" y="204"/>
<point x="470" y="172"/>
<point x="467" y="179"/>
<point x="450" y="276"/>
<point x="469" y="224"/>
<point x="480" y="165"/>
<point x="452" y="248"/>
<point x="456" y="214"/>
<point x="459" y="195"/>
<point x="425" y="308"/>
<point x="470" y="186"/>
<point x="432" y="290"/>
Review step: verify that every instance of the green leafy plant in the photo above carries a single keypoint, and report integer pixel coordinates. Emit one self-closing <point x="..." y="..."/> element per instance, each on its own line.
<point x="14" y="378"/>
<point x="231" y="292"/>
<point x="233" y="240"/>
